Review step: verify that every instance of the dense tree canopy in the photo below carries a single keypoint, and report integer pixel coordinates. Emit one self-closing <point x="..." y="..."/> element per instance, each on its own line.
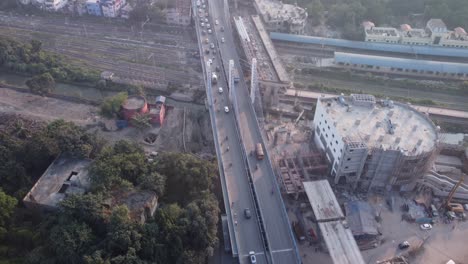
<point x="110" y="107"/>
<point x="32" y="60"/>
<point x="85" y="229"/>
<point x="41" y="84"/>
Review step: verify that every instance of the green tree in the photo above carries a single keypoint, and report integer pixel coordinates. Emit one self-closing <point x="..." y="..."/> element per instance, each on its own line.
<point x="70" y="241"/>
<point x="110" y="107"/>
<point x="186" y="174"/>
<point x="123" y="235"/>
<point x="36" y="46"/>
<point x="120" y="165"/>
<point x="7" y="207"/>
<point x="141" y="121"/>
<point x="41" y="84"/>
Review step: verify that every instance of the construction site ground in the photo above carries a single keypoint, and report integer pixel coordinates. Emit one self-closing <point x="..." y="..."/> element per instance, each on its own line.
<point x="169" y="137"/>
<point x="287" y="140"/>
<point x="442" y="243"/>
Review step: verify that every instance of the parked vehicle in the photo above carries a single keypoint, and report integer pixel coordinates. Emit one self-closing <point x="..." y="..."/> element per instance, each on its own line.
<point x="455" y="207"/>
<point x="226" y="110"/>
<point x="220" y="90"/>
<point x="404" y="245"/>
<point x="214" y="78"/>
<point x="426" y="227"/>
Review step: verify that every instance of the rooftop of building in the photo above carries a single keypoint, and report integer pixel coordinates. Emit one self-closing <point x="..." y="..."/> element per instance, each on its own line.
<point x="65" y="176"/>
<point x="138" y="202"/>
<point x="323" y="201"/>
<point x="414" y="32"/>
<point x="436" y="25"/>
<point x="134" y="102"/>
<point x="384" y="124"/>
<point x="276" y="10"/>
<point x="382" y="31"/>
<point x="361" y="218"/>
<point x="340" y="242"/>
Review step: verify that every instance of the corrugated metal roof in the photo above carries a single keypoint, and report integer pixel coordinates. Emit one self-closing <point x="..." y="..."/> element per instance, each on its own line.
<point x="384" y="47"/>
<point x="361" y="218"/>
<point x="410" y="64"/>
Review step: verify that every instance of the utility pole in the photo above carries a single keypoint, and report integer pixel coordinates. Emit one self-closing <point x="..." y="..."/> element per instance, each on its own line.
<point x="454" y="189"/>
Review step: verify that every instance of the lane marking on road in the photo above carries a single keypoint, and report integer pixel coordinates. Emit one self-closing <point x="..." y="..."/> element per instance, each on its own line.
<point x="256" y="253"/>
<point x="281" y="250"/>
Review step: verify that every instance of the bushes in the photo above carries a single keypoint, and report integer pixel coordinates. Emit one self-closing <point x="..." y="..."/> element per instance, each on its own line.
<point x="30" y="59"/>
<point x="111" y="106"/>
<point x="41" y="84"/>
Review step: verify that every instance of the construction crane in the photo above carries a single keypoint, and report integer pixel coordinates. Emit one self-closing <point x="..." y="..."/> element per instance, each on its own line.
<point x="454" y="189"/>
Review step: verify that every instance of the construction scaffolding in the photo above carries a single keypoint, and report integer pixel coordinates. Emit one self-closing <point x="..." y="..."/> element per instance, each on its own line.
<point x="294" y="170"/>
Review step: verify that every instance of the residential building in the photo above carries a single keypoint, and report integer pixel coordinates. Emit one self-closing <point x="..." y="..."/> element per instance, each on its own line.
<point x="133" y="106"/>
<point x="94" y="7"/>
<point x="141" y="204"/>
<point x="181" y="14"/>
<point x="374" y="145"/>
<point x="125" y="11"/>
<point x="77" y="7"/>
<point x="281" y="17"/>
<point x="65" y="176"/>
<point x="111" y="8"/>
<point x="434" y="34"/>
<point x="54" y="5"/>
<point x="157" y="111"/>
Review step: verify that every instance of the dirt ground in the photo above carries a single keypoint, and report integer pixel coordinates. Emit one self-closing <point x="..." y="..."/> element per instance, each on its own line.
<point x="198" y="135"/>
<point x="45" y="108"/>
<point x="442" y="243"/>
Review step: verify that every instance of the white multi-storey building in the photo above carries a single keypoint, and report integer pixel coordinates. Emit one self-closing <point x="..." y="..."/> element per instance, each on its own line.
<point x="282" y="17"/>
<point x="373" y="145"/>
<point x="54" y="5"/>
<point x="435" y="34"/>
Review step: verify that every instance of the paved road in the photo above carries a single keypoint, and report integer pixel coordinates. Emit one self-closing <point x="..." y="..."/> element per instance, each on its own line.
<point x="281" y="243"/>
<point x="235" y="173"/>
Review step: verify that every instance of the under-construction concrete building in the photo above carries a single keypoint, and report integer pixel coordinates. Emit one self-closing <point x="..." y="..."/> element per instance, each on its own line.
<point x="374" y="145"/>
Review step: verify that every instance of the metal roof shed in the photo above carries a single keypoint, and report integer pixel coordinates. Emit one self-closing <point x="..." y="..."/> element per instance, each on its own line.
<point x="361" y="218"/>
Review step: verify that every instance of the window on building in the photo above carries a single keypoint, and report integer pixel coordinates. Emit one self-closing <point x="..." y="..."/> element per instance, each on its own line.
<point x="328" y="127"/>
<point x="334" y="150"/>
<point x="346" y="167"/>
<point x="348" y="159"/>
<point x="336" y="141"/>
